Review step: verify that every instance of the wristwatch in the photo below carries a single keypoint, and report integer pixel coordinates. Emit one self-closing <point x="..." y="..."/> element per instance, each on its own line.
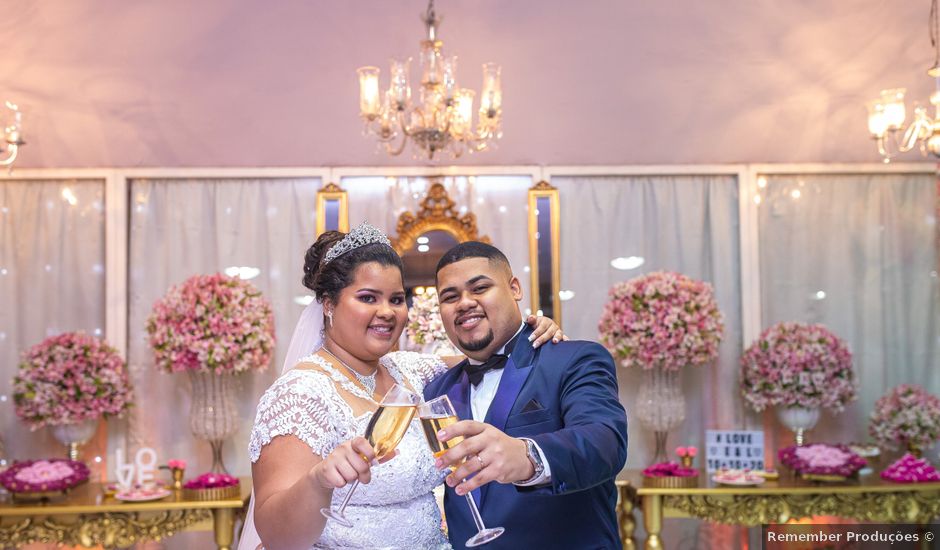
<point x="535" y="458"/>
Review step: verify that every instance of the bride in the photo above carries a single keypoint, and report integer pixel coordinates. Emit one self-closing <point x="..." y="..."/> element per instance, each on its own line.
<point x="306" y="446"/>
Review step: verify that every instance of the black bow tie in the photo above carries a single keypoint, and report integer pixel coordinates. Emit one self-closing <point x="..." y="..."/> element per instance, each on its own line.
<point x="476" y="372"/>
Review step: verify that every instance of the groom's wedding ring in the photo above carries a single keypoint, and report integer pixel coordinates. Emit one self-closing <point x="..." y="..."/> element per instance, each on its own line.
<point x="482" y="465"/>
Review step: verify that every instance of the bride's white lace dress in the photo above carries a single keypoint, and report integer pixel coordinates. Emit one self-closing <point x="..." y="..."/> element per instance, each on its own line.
<point x="395" y="510"/>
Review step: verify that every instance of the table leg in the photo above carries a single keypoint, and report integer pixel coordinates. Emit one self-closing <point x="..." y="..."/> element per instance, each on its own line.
<point x="653" y="521"/>
<point x="223" y="523"/>
<point x="625" y="516"/>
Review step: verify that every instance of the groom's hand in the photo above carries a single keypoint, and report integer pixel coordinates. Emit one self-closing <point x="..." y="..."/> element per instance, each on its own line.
<point x="486" y="454"/>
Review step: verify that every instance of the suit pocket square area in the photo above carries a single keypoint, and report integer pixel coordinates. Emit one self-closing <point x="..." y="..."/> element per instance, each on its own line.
<point x="532" y="405"/>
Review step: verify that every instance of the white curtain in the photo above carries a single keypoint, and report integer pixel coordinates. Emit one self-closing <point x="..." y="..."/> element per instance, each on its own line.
<point x="857" y="253"/>
<point x="500" y="204"/>
<point x="686" y="224"/>
<point x="180" y="228"/>
<point x="52" y="280"/>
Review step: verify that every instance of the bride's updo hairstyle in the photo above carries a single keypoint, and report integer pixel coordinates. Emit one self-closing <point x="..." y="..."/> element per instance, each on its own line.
<point x="327" y="280"/>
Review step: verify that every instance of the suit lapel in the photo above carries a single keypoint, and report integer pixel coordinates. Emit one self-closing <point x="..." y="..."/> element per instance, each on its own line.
<point x="515" y="373"/>
<point x="459" y="393"/>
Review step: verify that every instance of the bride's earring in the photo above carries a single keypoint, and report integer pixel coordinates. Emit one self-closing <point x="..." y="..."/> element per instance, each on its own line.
<point x="329" y="317"/>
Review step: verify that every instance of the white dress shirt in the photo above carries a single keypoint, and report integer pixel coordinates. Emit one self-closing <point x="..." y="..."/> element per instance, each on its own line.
<point x="481" y="397"/>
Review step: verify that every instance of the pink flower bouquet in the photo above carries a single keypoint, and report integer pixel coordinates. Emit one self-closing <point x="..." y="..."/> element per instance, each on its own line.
<point x="907" y="415"/>
<point x="822" y="459"/>
<point x="662" y="320"/>
<point x="669" y="469"/>
<point x="39" y="476"/>
<point x="70" y="378"/>
<point x="795" y="365"/>
<point x="909" y="469"/>
<point x="212" y="323"/>
<point x="425" y="325"/>
<point x="212" y="480"/>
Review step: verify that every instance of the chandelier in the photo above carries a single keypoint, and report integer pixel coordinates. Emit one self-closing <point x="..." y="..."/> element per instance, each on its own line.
<point x="13" y="136"/>
<point x="442" y="117"/>
<point x="886" y="115"/>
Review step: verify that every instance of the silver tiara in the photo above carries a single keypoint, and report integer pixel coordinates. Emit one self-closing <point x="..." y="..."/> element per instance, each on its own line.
<point x="361" y="235"/>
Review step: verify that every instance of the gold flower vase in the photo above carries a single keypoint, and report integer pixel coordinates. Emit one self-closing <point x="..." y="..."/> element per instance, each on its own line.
<point x="213" y="415"/>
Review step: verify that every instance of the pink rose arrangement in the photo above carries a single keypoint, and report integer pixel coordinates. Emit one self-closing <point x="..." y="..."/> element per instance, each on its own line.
<point x="424" y="319"/>
<point x="669" y="469"/>
<point x="211" y="480"/>
<point x="906" y="415"/>
<point x="70" y="378"/>
<point x="909" y="469"/>
<point x="662" y="321"/>
<point x="176" y="464"/>
<point x="34" y="476"/>
<point x="212" y="323"/>
<point x="822" y="459"/>
<point x="796" y="365"/>
<point x="683" y="452"/>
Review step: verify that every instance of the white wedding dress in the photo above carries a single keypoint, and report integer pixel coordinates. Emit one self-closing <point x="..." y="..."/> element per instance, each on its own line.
<point x="395" y="510"/>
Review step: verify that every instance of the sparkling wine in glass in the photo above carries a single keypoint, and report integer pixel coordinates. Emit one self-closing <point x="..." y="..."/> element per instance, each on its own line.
<point x="436" y="415"/>
<point x="386" y="428"/>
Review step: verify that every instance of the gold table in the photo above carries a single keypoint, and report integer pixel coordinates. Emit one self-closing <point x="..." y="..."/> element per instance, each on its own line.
<point x="866" y="499"/>
<point x="86" y="517"/>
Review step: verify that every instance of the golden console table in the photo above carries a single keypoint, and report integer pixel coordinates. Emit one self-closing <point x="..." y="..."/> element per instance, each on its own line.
<point x="867" y="499"/>
<point x="85" y="517"/>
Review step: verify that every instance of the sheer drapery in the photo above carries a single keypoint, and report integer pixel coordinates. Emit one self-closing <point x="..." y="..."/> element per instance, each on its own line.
<point x="500" y="204"/>
<point x="52" y="280"/>
<point x="180" y="228"/>
<point x="857" y="253"/>
<point x="686" y="224"/>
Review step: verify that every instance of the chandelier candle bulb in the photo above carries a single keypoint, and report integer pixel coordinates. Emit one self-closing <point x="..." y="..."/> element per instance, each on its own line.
<point x="369" y="92"/>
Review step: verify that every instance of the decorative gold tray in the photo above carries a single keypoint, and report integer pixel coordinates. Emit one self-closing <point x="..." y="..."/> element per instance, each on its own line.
<point x="217" y="493"/>
<point x="34" y="496"/>
<point x="671" y="482"/>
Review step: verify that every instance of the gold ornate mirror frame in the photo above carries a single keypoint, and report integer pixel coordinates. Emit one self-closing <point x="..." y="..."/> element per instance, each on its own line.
<point x="437" y="213"/>
<point x="329" y="197"/>
<point x="545" y="250"/>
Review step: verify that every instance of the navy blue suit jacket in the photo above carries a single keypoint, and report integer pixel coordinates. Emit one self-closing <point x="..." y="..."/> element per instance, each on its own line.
<point x="564" y="397"/>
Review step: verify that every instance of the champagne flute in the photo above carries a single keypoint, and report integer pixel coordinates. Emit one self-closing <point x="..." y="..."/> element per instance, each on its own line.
<point x="437" y="414"/>
<point x="386" y="428"/>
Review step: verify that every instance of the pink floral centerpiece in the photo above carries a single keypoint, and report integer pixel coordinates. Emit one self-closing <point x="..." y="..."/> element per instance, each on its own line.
<point x="820" y="459"/>
<point x="669" y="469"/>
<point x="662" y="321"/>
<point x="796" y="365"/>
<point x="425" y="327"/>
<point x="41" y="476"/>
<point x="68" y="379"/>
<point x="906" y="416"/>
<point x="212" y="323"/>
<point x="212" y="486"/>
<point x="910" y="469"/>
<point x="211" y="480"/>
<point x="212" y="326"/>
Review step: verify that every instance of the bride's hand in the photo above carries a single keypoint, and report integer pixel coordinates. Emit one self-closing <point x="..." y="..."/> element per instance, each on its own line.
<point x="348" y="462"/>
<point x="545" y="330"/>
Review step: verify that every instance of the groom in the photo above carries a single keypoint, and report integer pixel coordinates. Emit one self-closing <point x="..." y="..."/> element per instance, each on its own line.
<point x="544" y="432"/>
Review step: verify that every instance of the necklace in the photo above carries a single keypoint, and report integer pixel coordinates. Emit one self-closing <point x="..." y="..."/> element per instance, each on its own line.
<point x="367" y="381"/>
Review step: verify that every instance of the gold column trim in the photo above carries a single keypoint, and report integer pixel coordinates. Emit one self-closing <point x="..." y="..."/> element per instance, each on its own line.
<point x="331" y="192"/>
<point x="438" y="212"/>
<point x="113" y="529"/>
<point x="537" y="191"/>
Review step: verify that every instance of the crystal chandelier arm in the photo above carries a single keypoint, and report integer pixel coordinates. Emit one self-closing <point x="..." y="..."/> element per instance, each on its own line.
<point x="11" y="158"/>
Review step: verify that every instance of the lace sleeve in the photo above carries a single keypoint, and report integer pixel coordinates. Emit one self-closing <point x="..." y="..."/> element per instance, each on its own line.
<point x="303" y="404"/>
<point x="419" y="368"/>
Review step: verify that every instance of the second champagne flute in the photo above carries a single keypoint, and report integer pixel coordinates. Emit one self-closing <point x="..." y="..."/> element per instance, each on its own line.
<point x="437" y="414"/>
<point x="386" y="428"/>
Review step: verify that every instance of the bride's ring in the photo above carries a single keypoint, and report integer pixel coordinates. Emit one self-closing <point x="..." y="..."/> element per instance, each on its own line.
<point x="482" y="465"/>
